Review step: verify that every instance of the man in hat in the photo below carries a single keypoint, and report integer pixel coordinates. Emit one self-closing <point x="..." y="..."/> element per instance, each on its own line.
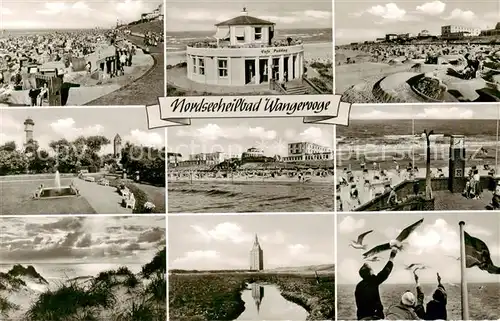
<point x="368" y="303"/>
<point x="409" y="308"/>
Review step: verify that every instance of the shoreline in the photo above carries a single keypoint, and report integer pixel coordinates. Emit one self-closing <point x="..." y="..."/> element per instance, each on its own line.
<point x="329" y="179"/>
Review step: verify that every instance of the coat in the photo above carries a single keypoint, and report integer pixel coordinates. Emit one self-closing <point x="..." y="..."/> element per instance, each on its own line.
<point x="367" y="294"/>
<point x="436" y="308"/>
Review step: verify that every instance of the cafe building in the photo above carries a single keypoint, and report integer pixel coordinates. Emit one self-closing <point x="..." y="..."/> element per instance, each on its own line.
<point x="244" y="53"/>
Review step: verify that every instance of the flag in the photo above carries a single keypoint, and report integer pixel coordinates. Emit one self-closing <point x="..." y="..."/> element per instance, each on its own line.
<point x="478" y="254"/>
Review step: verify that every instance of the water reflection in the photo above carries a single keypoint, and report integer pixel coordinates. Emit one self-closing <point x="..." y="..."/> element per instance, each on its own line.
<point x="274" y="307"/>
<point x="257" y="294"/>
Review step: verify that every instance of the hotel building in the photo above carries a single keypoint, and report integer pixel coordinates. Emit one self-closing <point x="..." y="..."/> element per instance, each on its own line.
<point x="244" y="53"/>
<point x="453" y="31"/>
<point x="305" y="151"/>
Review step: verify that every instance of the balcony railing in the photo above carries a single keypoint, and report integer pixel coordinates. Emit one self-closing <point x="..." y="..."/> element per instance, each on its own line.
<point x="225" y="45"/>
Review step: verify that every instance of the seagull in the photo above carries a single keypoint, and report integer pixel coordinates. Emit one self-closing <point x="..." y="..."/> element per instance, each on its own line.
<point x="373" y="259"/>
<point x="394" y="243"/>
<point x="359" y="243"/>
<point x="423" y="267"/>
<point x="413" y="265"/>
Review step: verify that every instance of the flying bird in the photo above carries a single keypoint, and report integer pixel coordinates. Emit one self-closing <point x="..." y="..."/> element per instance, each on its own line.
<point x="373" y="259"/>
<point x="358" y="244"/>
<point x="394" y="243"/>
<point x="422" y="267"/>
<point x="413" y="265"/>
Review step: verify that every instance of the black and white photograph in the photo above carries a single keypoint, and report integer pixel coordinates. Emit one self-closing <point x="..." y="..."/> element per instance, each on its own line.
<point x="250" y="165"/>
<point x="251" y="267"/>
<point x="77" y="52"/>
<point x="80" y="161"/>
<point x="230" y="48"/>
<point x="83" y="268"/>
<point x="432" y="266"/>
<point x="417" y="51"/>
<point x="419" y="157"/>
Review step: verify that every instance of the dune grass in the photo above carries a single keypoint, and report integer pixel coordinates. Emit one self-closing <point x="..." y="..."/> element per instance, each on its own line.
<point x="75" y="301"/>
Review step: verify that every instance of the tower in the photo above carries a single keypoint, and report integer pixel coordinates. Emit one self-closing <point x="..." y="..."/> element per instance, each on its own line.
<point x="256" y="256"/>
<point x="117" y="146"/>
<point x="28" y="129"/>
<point x="456" y="177"/>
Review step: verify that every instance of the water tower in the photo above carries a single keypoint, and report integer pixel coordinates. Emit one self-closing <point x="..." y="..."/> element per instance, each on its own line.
<point x="28" y="129"/>
<point x="117" y="146"/>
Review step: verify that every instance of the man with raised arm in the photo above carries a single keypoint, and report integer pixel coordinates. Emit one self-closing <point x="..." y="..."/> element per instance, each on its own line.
<point x="436" y="308"/>
<point x="368" y="303"/>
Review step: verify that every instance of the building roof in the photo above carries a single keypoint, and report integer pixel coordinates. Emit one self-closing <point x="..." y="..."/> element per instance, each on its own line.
<point x="497" y="26"/>
<point x="117" y="137"/>
<point x="29" y="121"/>
<point x="244" y="20"/>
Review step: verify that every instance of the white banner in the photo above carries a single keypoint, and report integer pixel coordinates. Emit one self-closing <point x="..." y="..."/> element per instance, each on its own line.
<point x="318" y="109"/>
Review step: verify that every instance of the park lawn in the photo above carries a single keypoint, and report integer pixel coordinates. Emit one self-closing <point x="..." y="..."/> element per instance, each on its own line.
<point x="156" y="195"/>
<point x="17" y="199"/>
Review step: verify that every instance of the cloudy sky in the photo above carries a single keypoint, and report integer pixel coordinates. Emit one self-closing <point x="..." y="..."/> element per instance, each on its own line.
<point x="90" y="239"/>
<point x="361" y="20"/>
<point x="57" y="123"/>
<point x="435" y="243"/>
<point x="427" y="111"/>
<point x="234" y="136"/>
<point x="40" y="14"/>
<point x="196" y="15"/>
<point x="208" y="242"/>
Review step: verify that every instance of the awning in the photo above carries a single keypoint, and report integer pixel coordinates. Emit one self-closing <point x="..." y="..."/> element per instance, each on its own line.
<point x="222" y="33"/>
<point x="240" y="32"/>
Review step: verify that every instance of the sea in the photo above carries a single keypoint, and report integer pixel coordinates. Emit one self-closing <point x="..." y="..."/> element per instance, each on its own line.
<point x="483" y="299"/>
<point x="389" y="132"/>
<point x="244" y="197"/>
<point x="26" y="32"/>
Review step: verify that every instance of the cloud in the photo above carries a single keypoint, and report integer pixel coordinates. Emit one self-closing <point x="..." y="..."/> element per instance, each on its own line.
<point x="78" y="238"/>
<point x="234" y="233"/>
<point x="209" y="259"/>
<point x="464" y="15"/>
<point x="53" y="8"/>
<point x="144" y="138"/>
<point x="350" y="224"/>
<point x="66" y="129"/>
<point x="363" y="113"/>
<point x="131" y="9"/>
<point x="299" y="16"/>
<point x="212" y="132"/>
<point x="445" y="113"/>
<point x="318" y="136"/>
<point x="432" y="8"/>
<point x="389" y="11"/>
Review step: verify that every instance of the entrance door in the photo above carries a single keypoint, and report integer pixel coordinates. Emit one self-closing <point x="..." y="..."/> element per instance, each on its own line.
<point x="264" y="70"/>
<point x="276" y="67"/>
<point x="249" y="71"/>
<point x="294" y="61"/>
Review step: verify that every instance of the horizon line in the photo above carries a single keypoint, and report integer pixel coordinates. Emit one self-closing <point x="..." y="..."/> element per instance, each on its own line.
<point x="289" y="28"/>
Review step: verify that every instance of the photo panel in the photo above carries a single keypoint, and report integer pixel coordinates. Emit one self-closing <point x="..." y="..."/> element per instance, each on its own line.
<point x="440" y="157"/>
<point x="250" y="165"/>
<point x="252" y="267"/>
<point x="417" y="51"/>
<point x="83" y="267"/>
<point x="242" y="48"/>
<point x="81" y="161"/>
<point x="75" y="53"/>
<point x="429" y="276"/>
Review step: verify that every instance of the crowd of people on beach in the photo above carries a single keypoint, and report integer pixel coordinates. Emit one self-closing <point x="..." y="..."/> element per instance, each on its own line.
<point x="355" y="188"/>
<point x="410" y="307"/>
<point x="300" y="175"/>
<point x="429" y="53"/>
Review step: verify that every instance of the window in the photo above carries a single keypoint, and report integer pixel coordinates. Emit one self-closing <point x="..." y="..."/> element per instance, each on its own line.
<point x="194" y="65"/>
<point x="201" y="66"/>
<point x="258" y="33"/>
<point x="240" y="38"/>
<point x="222" y="64"/>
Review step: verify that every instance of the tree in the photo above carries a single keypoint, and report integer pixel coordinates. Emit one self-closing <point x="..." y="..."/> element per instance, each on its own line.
<point x="13" y="162"/>
<point x="31" y="147"/>
<point x="9" y="146"/>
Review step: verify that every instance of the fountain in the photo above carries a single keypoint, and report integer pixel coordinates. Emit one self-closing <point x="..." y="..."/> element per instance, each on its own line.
<point x="57" y="191"/>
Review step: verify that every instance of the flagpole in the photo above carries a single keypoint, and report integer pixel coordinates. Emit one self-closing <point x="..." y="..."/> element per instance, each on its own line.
<point x="465" y="298"/>
<point x="413" y="143"/>
<point x="496" y="152"/>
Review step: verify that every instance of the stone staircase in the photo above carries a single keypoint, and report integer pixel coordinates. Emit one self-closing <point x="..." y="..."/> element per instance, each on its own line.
<point x="296" y="89"/>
